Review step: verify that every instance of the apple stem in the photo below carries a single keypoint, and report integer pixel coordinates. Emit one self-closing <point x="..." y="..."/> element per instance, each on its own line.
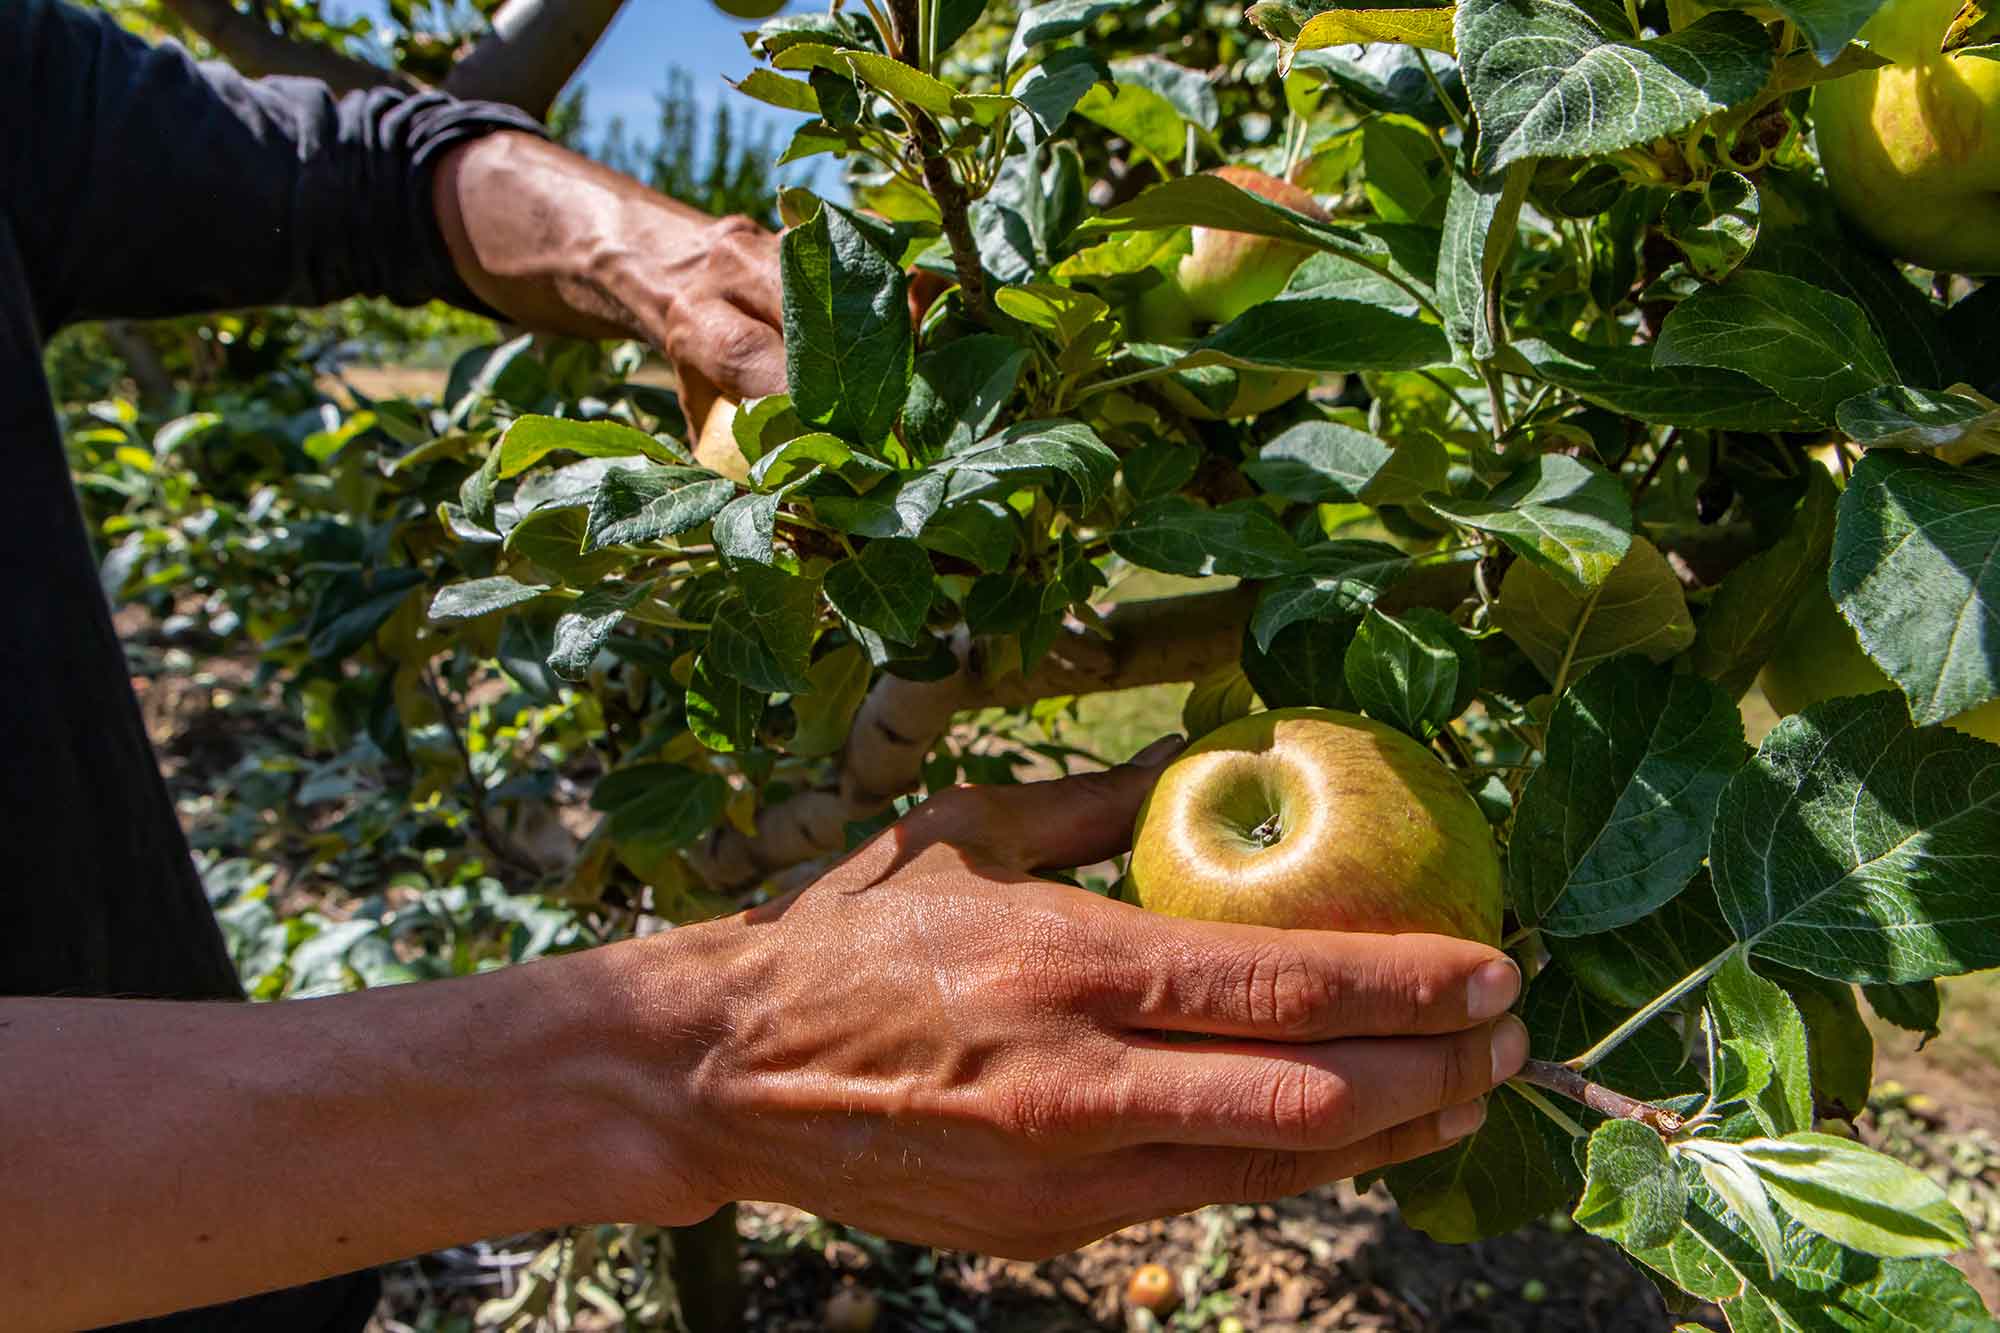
<point x="1606" y="1101"/>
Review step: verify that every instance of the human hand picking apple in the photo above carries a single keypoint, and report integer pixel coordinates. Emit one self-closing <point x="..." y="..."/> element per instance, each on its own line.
<point x="935" y="1044"/>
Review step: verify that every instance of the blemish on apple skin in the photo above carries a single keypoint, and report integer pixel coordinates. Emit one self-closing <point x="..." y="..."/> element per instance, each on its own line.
<point x="202" y="1238"/>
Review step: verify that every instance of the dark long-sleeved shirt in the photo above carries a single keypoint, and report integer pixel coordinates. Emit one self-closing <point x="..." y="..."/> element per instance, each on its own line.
<point x="136" y="182"/>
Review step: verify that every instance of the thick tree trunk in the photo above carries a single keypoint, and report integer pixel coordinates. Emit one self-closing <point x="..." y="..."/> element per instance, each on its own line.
<point x="1150" y="643"/>
<point x="534" y="48"/>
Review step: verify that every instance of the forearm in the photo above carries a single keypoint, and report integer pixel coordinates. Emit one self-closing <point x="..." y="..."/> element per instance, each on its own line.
<point x="559" y="243"/>
<point x="223" y="1149"/>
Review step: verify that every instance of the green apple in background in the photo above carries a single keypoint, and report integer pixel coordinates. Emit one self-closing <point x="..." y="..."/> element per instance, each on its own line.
<point x="1309" y="818"/>
<point x="1912" y="151"/>
<point x="749" y="9"/>
<point x="1819" y="657"/>
<point x="1216" y="277"/>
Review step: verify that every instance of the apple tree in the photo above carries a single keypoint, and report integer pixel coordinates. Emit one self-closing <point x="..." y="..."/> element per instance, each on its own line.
<point x="1511" y="375"/>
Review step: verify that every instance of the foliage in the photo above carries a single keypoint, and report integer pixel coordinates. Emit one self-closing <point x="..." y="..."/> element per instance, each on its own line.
<point x="1580" y="329"/>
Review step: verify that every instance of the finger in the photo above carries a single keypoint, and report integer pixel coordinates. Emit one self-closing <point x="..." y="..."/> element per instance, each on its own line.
<point x="1057" y="824"/>
<point x="1156" y="1180"/>
<point x="1310" y="1098"/>
<point x="1309" y="985"/>
<point x="742" y="356"/>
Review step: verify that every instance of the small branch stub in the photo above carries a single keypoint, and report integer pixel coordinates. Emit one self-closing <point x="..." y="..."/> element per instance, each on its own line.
<point x="1606" y="1101"/>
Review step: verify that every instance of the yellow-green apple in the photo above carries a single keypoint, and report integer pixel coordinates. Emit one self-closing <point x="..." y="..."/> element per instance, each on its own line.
<point x="1912" y="150"/>
<point x="1309" y="818"/>
<point x="1216" y="277"/>
<point x="1819" y="657"/>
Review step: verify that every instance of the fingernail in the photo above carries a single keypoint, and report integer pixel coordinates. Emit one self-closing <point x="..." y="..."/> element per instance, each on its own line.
<point x="1493" y="989"/>
<point x="1510" y="1048"/>
<point x="1159" y="752"/>
<point x="1457" y="1121"/>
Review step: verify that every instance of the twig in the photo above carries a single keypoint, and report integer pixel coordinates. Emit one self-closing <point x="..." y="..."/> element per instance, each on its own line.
<point x="502" y="847"/>
<point x="1667" y="446"/>
<point x="1605" y="1101"/>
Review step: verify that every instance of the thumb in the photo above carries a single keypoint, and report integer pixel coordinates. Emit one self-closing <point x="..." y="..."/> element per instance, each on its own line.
<point x="1076" y="821"/>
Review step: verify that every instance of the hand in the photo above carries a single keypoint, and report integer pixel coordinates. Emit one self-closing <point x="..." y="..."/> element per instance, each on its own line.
<point x="932" y="1043"/>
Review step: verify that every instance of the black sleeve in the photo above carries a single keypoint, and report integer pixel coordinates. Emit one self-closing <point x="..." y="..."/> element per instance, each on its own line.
<point x="141" y="183"/>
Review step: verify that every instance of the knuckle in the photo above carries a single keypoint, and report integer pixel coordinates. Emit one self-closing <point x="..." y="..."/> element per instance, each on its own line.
<point x="738" y="346"/>
<point x="1306" y="1106"/>
<point x="1268" y="1174"/>
<point x="1285" y="994"/>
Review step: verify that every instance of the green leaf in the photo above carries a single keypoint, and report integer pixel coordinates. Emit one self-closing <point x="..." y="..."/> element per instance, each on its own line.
<point x="553" y="540"/>
<point x="1563" y="1019"/>
<point x="1916" y="571"/>
<point x="1051" y="90"/>
<point x="528" y="440"/>
<point x="1855" y="846"/>
<point x="1632" y="1193"/>
<point x="1626" y="380"/>
<point x="1501" y="1178"/>
<point x="782" y="610"/>
<point x="1031" y="452"/>
<point x="1746" y="616"/>
<point x="582" y="629"/>
<point x="1222" y="696"/>
<point x="1715" y="227"/>
<point x="482" y="597"/>
<point x="1159" y="467"/>
<point x="663" y="804"/>
<point x="1639" y="609"/>
<point x="984" y="533"/>
<point x="959" y="390"/>
<point x="1839" y="1047"/>
<point x="1740" y="1188"/>
<point x="1318" y="462"/>
<point x="1054" y="20"/>
<point x="1857" y="1196"/>
<point x="1614" y="822"/>
<point x="1757" y="1012"/>
<point x="900" y="507"/>
<point x="1628" y="966"/>
<point x="353" y="606"/>
<point x="722" y="712"/>
<point x="1177" y="536"/>
<point x="1305" y="665"/>
<point x="1340" y="580"/>
<point x="796" y="458"/>
<point x="1404" y="672"/>
<point x="1809" y="346"/>
<point x="743" y="528"/>
<point x="1207" y="200"/>
<point x="1479" y="224"/>
<point x="635" y="506"/>
<point x="774" y="89"/>
<point x="1322" y="334"/>
<point x="1826" y="1288"/>
<point x="1956" y="425"/>
<point x="847" y="329"/>
<point x="887" y="588"/>
<point x="825" y="714"/>
<point x="1188" y="91"/>
<point x="1569" y="518"/>
<point x="1566" y="78"/>
<point x="1912" y="1006"/>
<point x="1138" y="114"/>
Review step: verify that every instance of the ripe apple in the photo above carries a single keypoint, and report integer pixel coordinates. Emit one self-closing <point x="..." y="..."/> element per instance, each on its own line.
<point x="1819" y="658"/>
<point x="1219" y="275"/>
<point x="1308" y="818"/>
<point x="1912" y="150"/>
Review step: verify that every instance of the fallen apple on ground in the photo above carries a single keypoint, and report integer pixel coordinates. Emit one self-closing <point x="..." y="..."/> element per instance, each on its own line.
<point x="1912" y="150"/>
<point x="1308" y="818"/>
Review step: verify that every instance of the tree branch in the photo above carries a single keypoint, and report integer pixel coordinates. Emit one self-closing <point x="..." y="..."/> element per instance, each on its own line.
<point x="1605" y="1101"/>
<point x="1151" y="643"/>
<point x="534" y="48"/>
<point x="256" y="50"/>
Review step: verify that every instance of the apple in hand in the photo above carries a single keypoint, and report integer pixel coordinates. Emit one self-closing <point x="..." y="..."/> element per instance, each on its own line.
<point x="1309" y="818"/>
<point x="1819" y="657"/>
<point x="1912" y="150"/>
<point x="1219" y="275"/>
